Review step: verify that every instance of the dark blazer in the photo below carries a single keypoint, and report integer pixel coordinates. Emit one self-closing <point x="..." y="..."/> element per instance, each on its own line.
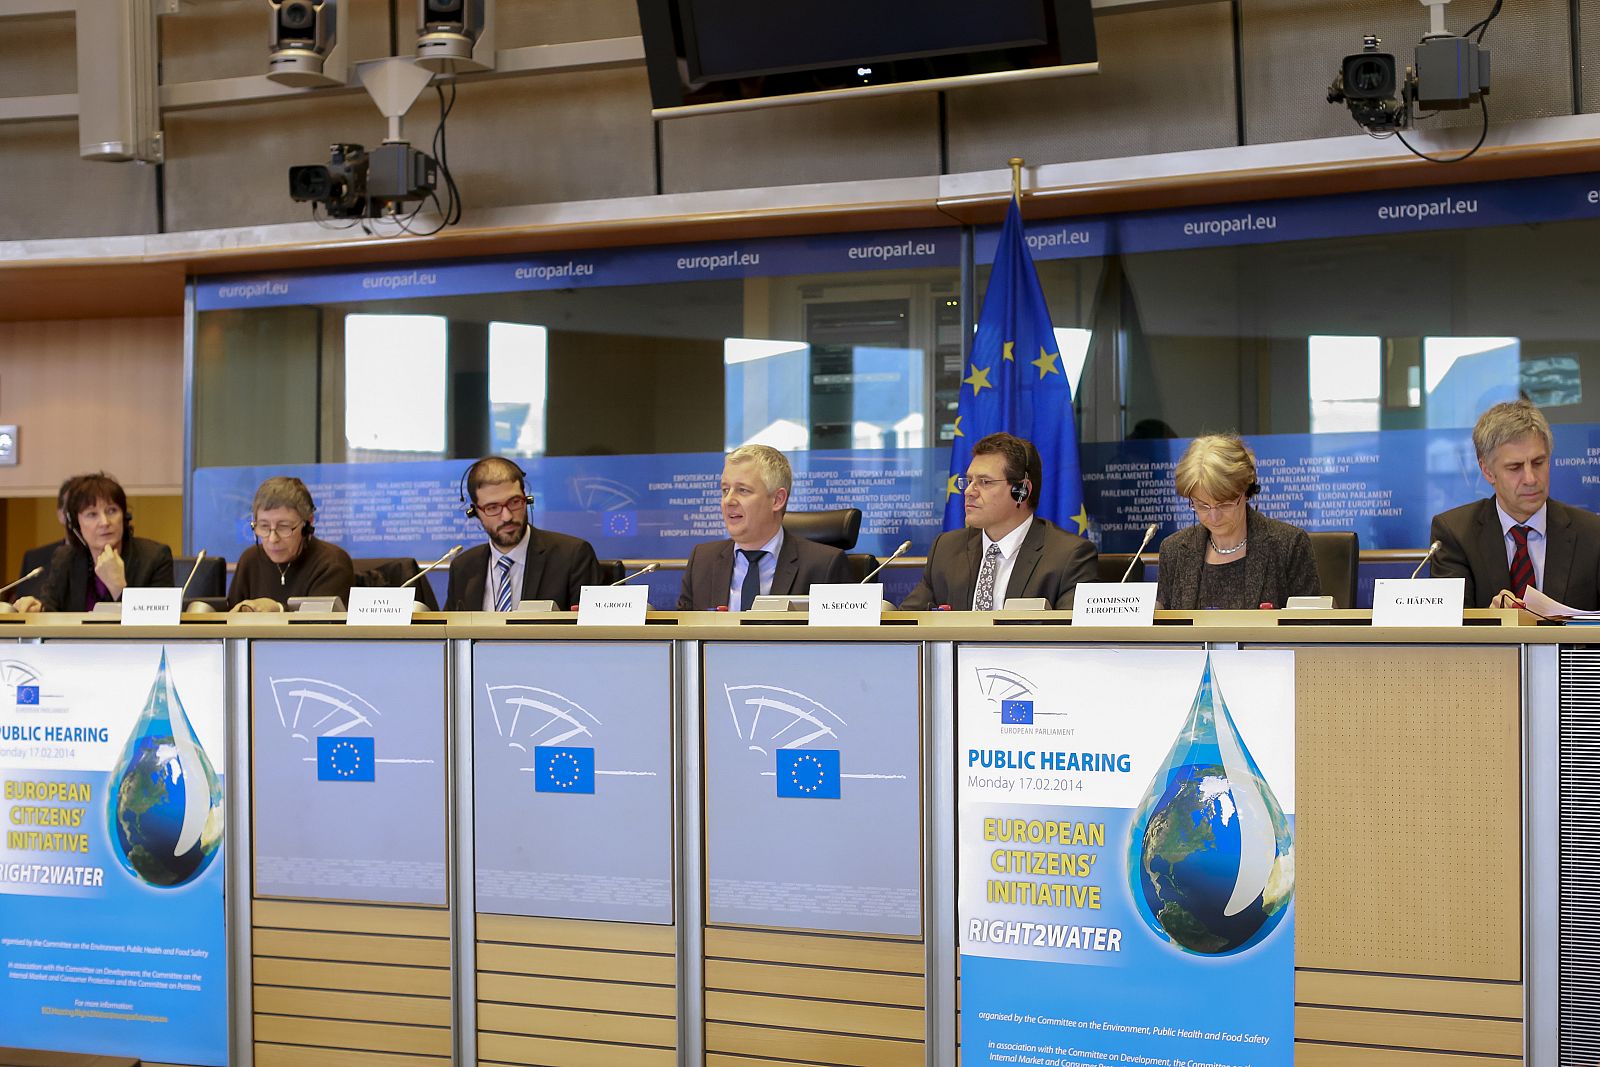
<point x="1050" y="563"/>
<point x="1277" y="565"/>
<point x="558" y="567"/>
<point x="39" y="556"/>
<point x="708" y="578"/>
<point x="147" y="565"/>
<point x="1472" y="546"/>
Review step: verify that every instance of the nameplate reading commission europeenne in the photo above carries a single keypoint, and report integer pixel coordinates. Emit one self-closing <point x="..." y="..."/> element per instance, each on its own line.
<point x="1114" y="604"/>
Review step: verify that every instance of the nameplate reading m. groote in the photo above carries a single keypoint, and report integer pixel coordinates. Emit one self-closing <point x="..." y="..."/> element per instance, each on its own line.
<point x="1417" y="601"/>
<point x="380" y="607"/>
<point x="613" y="605"/>
<point x="846" y="605"/>
<point x="151" y="607"/>
<point x="1114" y="604"/>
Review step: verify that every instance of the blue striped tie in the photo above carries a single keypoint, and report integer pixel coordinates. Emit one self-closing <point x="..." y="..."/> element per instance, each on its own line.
<point x="502" y="592"/>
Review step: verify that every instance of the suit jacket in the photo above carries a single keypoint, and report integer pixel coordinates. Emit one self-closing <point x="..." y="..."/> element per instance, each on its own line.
<point x="148" y="565"/>
<point x="558" y="567"/>
<point x="708" y="578"/>
<point x="1472" y="546"/>
<point x="1277" y="565"/>
<point x="1050" y="563"/>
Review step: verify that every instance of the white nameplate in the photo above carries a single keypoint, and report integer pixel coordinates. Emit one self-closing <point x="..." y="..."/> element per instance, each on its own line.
<point x="1417" y="601"/>
<point x="151" y="607"/>
<point x="846" y="605"/>
<point x="380" y="607"/>
<point x="613" y="605"/>
<point x="1114" y="604"/>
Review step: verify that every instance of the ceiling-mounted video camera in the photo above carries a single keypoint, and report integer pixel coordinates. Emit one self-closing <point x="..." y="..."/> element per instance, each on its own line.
<point x="357" y="184"/>
<point x="1449" y="73"/>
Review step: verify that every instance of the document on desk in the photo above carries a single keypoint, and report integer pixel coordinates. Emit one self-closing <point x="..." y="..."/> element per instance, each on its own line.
<point x="1547" y="607"/>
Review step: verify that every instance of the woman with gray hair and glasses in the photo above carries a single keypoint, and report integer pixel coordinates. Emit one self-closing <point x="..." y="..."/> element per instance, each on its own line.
<point x="286" y="560"/>
<point x="1233" y="556"/>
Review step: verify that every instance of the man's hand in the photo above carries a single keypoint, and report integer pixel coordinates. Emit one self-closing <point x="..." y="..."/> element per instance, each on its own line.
<point x="1505" y="598"/>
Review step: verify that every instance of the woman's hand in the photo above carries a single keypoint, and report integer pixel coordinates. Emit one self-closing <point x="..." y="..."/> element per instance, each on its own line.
<point x="28" y="603"/>
<point x="260" y="603"/>
<point x="110" y="570"/>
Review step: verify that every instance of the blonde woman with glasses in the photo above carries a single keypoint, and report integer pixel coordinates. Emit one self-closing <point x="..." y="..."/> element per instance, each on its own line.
<point x="1233" y="557"/>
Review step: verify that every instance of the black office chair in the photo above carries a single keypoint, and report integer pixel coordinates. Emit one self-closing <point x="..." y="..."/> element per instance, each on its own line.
<point x="211" y="581"/>
<point x="34" y="557"/>
<point x="612" y="571"/>
<point x="838" y="528"/>
<point x="861" y="565"/>
<point x="393" y="572"/>
<point x="1113" y="565"/>
<point x="1338" y="557"/>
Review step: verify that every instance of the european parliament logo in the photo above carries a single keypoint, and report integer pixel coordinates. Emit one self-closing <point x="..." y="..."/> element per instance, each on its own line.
<point x="563" y="769"/>
<point x="27" y="694"/>
<point x="622" y="523"/>
<point x="346" y="759"/>
<point x="1016" y="712"/>
<point x="808" y="773"/>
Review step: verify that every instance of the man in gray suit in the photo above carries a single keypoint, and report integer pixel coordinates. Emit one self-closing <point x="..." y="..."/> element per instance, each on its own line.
<point x="1518" y="537"/>
<point x="758" y="557"/>
<point x="1006" y="551"/>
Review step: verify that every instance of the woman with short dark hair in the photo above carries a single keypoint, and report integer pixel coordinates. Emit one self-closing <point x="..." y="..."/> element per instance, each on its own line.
<point x="101" y="557"/>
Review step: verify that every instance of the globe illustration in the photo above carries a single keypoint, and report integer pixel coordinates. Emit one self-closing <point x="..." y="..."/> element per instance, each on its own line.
<point x="1191" y="859"/>
<point x="164" y="804"/>
<point x="1210" y="851"/>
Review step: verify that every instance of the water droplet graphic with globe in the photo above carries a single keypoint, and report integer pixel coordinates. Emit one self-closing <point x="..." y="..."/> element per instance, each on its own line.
<point x="164" y="803"/>
<point x="1210" y="852"/>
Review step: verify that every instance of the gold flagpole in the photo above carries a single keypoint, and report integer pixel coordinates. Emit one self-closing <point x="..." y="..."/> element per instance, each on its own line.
<point x="1016" y="178"/>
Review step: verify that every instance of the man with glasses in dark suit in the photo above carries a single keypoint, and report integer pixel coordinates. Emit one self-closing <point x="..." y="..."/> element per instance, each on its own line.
<point x="520" y="561"/>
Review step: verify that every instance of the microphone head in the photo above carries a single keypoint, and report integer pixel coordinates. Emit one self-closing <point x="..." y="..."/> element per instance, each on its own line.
<point x="1150" y="531"/>
<point x="905" y="546"/>
<point x="1434" y="547"/>
<point x="651" y="568"/>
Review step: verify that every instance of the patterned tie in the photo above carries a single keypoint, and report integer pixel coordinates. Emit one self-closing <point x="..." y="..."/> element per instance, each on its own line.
<point x="1522" y="578"/>
<point x="986" y="573"/>
<point x="752" y="577"/>
<point x="502" y="588"/>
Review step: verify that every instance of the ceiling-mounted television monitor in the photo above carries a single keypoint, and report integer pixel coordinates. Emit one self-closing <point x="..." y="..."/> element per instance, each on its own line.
<point x="723" y="55"/>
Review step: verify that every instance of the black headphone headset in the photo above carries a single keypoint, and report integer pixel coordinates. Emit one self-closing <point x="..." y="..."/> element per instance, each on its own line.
<point x="470" y="510"/>
<point x="1020" y="490"/>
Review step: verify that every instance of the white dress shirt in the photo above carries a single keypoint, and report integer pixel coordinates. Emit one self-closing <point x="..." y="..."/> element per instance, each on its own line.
<point x="1008" y="558"/>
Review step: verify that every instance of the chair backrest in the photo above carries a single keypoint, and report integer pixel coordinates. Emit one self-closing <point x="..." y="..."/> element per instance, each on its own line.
<point x="1113" y="565"/>
<point x="1338" y="558"/>
<point x="861" y="565"/>
<point x="211" y="579"/>
<point x="839" y="527"/>
<point x="612" y="571"/>
<point x="34" y="557"/>
<point x="391" y="572"/>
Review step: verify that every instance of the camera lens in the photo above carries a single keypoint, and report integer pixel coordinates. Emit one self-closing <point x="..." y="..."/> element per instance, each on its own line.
<point x="314" y="182"/>
<point x="296" y="16"/>
<point x="1369" y="76"/>
<point x="444" y="7"/>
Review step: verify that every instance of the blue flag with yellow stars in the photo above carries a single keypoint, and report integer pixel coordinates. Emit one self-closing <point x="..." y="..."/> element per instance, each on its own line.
<point x="1016" y="381"/>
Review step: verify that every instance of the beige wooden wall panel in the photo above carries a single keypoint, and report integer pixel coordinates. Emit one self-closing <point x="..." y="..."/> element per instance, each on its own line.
<point x="351" y="985"/>
<point x="814" y="998"/>
<point x="50" y="192"/>
<point x="1409" y="797"/>
<point x="93" y="394"/>
<point x="573" y="993"/>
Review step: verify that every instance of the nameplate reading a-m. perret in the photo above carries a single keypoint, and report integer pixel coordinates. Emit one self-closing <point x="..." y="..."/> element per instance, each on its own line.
<point x="380" y="607"/>
<point x="1417" y="601"/>
<point x="151" y="607"/>
<point x="613" y="605"/>
<point x="846" y="605"/>
<point x="1114" y="604"/>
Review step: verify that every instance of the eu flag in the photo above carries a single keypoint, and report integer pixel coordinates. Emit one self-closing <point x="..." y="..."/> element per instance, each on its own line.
<point x="808" y="773"/>
<point x="345" y="759"/>
<point x="27" y="694"/>
<point x="1016" y="712"/>
<point x="559" y="769"/>
<point x="1015" y="381"/>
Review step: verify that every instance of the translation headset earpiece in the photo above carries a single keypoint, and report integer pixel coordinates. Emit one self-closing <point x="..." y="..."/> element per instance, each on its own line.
<point x="470" y="510"/>
<point x="1019" y="491"/>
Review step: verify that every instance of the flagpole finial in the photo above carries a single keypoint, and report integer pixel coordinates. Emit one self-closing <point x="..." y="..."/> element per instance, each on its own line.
<point x="1016" y="178"/>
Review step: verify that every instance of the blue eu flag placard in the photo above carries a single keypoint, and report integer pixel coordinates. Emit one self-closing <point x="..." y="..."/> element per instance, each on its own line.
<point x="1016" y="712"/>
<point x="345" y="759"/>
<point x="560" y="769"/>
<point x="27" y="694"/>
<point x="808" y="773"/>
<point x="1015" y="380"/>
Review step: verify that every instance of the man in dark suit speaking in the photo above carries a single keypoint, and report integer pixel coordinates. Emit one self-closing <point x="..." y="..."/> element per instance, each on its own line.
<point x="520" y="562"/>
<point x="757" y="558"/>
<point x="1518" y="537"/>
<point x="1006" y="551"/>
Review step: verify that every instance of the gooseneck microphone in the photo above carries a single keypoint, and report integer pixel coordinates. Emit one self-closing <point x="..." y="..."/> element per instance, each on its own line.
<point x="648" y="568"/>
<point x="31" y="574"/>
<point x="1431" y="550"/>
<point x="441" y="561"/>
<point x="1149" y="532"/>
<point x="192" y="570"/>
<point x="905" y="546"/>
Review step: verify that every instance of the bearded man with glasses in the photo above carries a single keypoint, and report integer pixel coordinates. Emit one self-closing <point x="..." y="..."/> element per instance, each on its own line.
<point x="520" y="561"/>
<point x="1233" y="556"/>
<point x="286" y="560"/>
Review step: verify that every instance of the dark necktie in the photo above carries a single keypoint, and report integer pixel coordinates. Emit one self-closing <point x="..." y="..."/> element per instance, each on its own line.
<point x="752" y="577"/>
<point x="1521" y="563"/>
